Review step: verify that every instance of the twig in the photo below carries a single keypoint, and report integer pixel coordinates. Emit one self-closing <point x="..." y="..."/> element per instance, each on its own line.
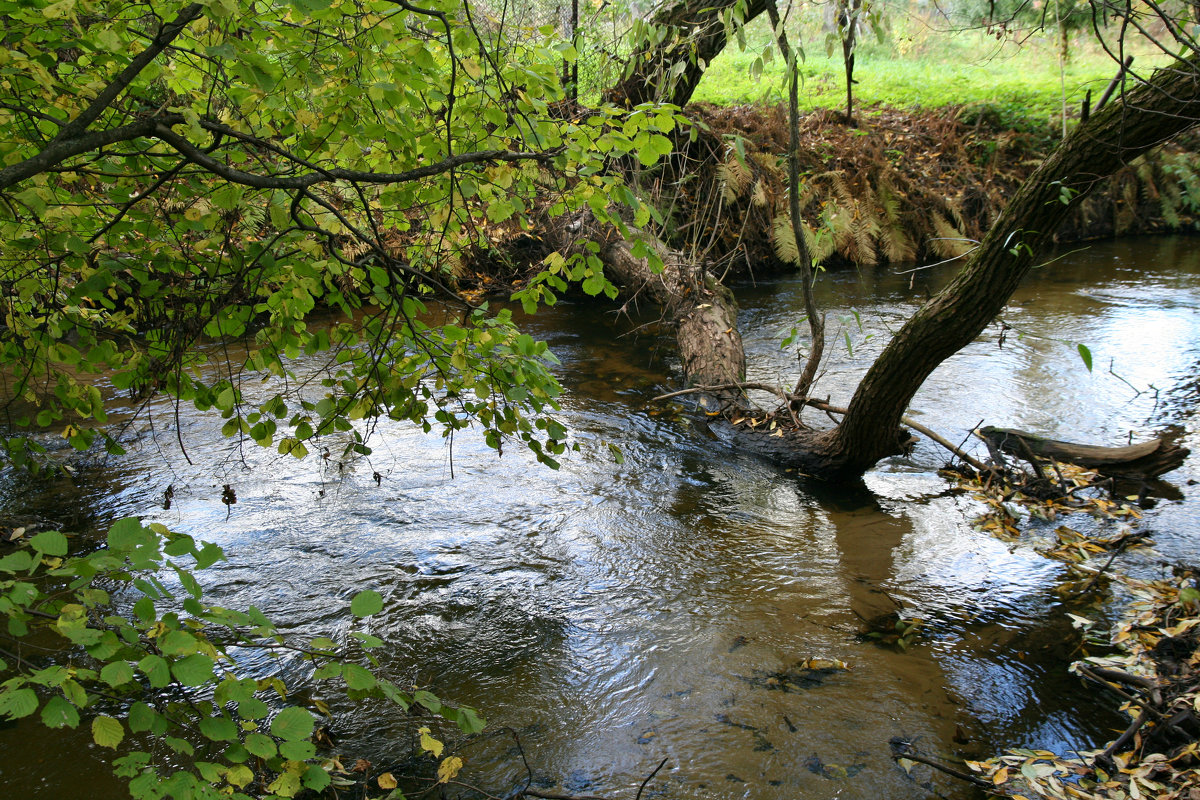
<point x="1147" y="708"/>
<point x="1119" y="676"/>
<point x="642" y="788"/>
<point x="919" y="428"/>
<point x="1116" y="552"/>
<point x="1105" y="759"/>
<point x="964" y="776"/>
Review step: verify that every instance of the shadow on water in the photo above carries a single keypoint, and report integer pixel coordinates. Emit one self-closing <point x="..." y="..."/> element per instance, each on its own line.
<point x="674" y="605"/>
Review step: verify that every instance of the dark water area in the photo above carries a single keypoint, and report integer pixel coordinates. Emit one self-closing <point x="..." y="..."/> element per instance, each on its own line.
<point x="618" y="614"/>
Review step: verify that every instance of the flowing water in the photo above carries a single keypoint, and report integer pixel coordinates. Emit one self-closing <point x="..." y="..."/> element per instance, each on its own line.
<point x="615" y="615"/>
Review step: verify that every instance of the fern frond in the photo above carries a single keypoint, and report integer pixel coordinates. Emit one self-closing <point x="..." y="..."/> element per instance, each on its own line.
<point x="734" y="175"/>
<point x="889" y="201"/>
<point x="784" y="240"/>
<point x="949" y="242"/>
<point x="759" y="196"/>
<point x="820" y="243"/>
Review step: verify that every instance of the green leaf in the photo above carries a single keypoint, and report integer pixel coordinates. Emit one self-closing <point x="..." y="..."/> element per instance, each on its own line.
<point x="52" y="543"/>
<point x="239" y="775"/>
<point x="177" y="643"/>
<point x="195" y="670"/>
<point x="292" y="724"/>
<point x="593" y="284"/>
<point x="143" y="609"/>
<point x="358" y="677"/>
<point x="128" y="533"/>
<point x="260" y="745"/>
<point x="469" y="720"/>
<point x="20" y="561"/>
<point x="58" y="713"/>
<point x="116" y="673"/>
<point x="428" y="700"/>
<point x="143" y="718"/>
<point x="253" y="708"/>
<point x="107" y="731"/>
<point x="297" y="751"/>
<point x="286" y="785"/>
<point x="180" y="745"/>
<point x="318" y="779"/>
<point x="219" y="729"/>
<point x="366" y="603"/>
<point x="156" y="670"/>
<point x="17" y="703"/>
<point x="366" y="640"/>
<point x="1086" y="355"/>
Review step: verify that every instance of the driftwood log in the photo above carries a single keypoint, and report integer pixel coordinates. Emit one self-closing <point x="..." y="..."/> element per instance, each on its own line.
<point x="1141" y="461"/>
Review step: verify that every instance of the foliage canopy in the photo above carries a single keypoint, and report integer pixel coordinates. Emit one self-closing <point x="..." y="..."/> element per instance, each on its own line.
<point x="249" y="182"/>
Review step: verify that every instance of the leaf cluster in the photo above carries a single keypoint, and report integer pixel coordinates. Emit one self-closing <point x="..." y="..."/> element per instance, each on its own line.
<point x="259" y="209"/>
<point x="153" y="668"/>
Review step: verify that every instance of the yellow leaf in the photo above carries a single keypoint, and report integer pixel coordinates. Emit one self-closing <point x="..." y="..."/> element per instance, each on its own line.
<point x="386" y="781"/>
<point x="239" y="775"/>
<point x="449" y="768"/>
<point x="430" y="744"/>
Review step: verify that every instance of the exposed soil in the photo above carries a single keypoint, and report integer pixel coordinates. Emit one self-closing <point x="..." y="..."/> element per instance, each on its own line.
<point x="904" y="185"/>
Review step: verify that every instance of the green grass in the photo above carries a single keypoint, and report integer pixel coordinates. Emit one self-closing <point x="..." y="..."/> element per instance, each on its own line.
<point x="919" y="68"/>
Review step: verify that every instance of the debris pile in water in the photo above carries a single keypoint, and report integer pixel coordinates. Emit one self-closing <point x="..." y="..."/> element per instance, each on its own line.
<point x="1152" y="669"/>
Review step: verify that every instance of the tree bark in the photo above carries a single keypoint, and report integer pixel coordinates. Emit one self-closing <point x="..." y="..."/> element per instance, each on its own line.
<point x="1149" y="115"/>
<point x="702" y="311"/>
<point x="696" y="33"/>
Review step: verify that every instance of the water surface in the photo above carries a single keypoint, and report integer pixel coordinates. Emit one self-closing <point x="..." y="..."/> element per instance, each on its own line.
<point x="617" y="614"/>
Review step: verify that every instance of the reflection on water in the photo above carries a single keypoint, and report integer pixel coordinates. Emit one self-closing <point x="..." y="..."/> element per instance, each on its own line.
<point x="615" y="615"/>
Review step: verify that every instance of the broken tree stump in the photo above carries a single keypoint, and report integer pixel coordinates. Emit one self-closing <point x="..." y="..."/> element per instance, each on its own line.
<point x="1141" y="461"/>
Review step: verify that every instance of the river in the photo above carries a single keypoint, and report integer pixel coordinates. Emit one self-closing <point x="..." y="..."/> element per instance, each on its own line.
<point x="615" y="615"/>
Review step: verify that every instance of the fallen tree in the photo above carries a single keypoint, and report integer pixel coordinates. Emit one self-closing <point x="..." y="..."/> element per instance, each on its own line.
<point x="1140" y="461"/>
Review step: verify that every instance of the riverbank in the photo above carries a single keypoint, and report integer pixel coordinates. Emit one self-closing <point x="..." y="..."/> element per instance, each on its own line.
<point x="902" y="186"/>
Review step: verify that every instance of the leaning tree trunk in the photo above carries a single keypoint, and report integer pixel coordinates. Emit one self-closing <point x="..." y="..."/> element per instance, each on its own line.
<point x="669" y="70"/>
<point x="702" y="311"/>
<point x="1149" y="115"/>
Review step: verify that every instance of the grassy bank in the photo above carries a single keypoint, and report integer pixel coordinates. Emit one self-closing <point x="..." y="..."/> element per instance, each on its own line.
<point x="919" y="66"/>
